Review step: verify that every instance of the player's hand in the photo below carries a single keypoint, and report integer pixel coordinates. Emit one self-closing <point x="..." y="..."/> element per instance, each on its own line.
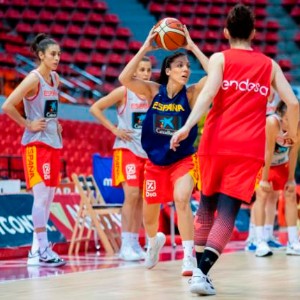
<point x="149" y="43"/>
<point x="290" y="186"/>
<point x="123" y="134"/>
<point x="178" y="136"/>
<point x="36" y="125"/>
<point x="289" y="140"/>
<point x="266" y="186"/>
<point x="189" y="42"/>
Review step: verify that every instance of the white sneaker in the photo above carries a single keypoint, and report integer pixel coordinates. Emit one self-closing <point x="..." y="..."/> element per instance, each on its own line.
<point x="33" y="258"/>
<point x="188" y="265"/>
<point x="152" y="255"/>
<point x="262" y="249"/>
<point x="127" y="253"/>
<point x="140" y="251"/>
<point x="201" y="284"/>
<point x="49" y="258"/>
<point x="293" y="248"/>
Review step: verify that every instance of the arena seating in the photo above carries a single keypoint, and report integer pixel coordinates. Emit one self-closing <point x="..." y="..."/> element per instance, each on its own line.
<point x="82" y="27"/>
<point x="81" y="141"/>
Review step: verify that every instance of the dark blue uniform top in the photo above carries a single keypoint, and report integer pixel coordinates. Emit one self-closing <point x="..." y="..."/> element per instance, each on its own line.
<point x="163" y="118"/>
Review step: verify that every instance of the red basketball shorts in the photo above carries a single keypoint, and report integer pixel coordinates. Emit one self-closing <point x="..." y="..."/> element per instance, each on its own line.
<point x="41" y="163"/>
<point x="278" y="176"/>
<point x="127" y="167"/>
<point x="160" y="180"/>
<point x="231" y="175"/>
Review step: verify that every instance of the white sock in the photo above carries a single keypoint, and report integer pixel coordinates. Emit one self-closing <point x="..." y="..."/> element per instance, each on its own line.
<point x="251" y="234"/>
<point x="292" y="234"/>
<point x="42" y="239"/>
<point x="268" y="231"/>
<point x="135" y="239"/>
<point x="152" y="241"/>
<point x="35" y="243"/>
<point x="188" y="248"/>
<point x="126" y="238"/>
<point x="259" y="230"/>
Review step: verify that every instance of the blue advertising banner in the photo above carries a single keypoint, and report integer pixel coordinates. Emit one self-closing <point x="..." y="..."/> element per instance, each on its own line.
<point x="16" y="227"/>
<point x="102" y="167"/>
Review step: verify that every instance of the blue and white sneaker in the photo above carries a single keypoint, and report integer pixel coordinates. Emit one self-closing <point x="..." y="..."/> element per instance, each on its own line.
<point x="293" y="248"/>
<point x="275" y="244"/>
<point x="250" y="245"/>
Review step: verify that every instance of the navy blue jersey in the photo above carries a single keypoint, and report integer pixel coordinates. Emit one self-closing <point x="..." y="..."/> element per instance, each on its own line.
<point x="163" y="118"/>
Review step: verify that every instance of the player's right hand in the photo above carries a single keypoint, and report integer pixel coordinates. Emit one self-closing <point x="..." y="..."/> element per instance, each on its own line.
<point x="123" y="134"/>
<point x="37" y="125"/>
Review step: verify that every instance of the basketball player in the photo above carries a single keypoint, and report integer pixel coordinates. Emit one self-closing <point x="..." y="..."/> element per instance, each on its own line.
<point x="271" y="201"/>
<point x="169" y="175"/>
<point x="41" y="142"/>
<point x="232" y="146"/>
<point x="129" y="157"/>
<point x="278" y="174"/>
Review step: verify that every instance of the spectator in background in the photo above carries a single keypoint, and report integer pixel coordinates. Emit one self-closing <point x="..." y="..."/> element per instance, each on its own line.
<point x="129" y="157"/>
<point x="232" y="146"/>
<point x="168" y="175"/>
<point x="41" y="142"/>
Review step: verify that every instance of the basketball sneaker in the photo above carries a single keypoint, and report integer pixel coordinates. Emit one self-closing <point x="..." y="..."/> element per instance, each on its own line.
<point x="127" y="253"/>
<point x="33" y="258"/>
<point x="262" y="249"/>
<point x="250" y="245"/>
<point x="49" y="258"/>
<point x="293" y="248"/>
<point x="201" y="284"/>
<point x="275" y="244"/>
<point x="140" y="251"/>
<point x="188" y="265"/>
<point x="152" y="255"/>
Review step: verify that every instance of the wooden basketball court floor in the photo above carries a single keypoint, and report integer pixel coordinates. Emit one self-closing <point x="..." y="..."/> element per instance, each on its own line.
<point x="237" y="275"/>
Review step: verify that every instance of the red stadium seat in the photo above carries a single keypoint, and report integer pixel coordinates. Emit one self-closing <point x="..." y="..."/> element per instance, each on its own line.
<point x="29" y="14"/>
<point x="111" y="19"/>
<point x="91" y="31"/>
<point x="24" y="28"/>
<point x="74" y="30"/>
<point x="115" y="59"/>
<point x="62" y="16"/>
<point x="46" y="15"/>
<point x="86" y="44"/>
<point x="103" y="45"/>
<point x="57" y="30"/>
<point x="95" y="18"/>
<point x="79" y="17"/>
<point x="39" y="27"/>
<point x="81" y="58"/>
<point x="69" y="43"/>
<point x="107" y="31"/>
<point x="134" y="46"/>
<point x="123" y="33"/>
<point x="99" y="6"/>
<point x="119" y="45"/>
<point x="13" y="14"/>
<point x="285" y="64"/>
<point x="66" y="57"/>
<point x="95" y="71"/>
<point x="98" y="58"/>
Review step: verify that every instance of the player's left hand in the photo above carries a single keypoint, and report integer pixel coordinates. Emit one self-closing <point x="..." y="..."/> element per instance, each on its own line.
<point x="290" y="186"/>
<point x="178" y="136"/>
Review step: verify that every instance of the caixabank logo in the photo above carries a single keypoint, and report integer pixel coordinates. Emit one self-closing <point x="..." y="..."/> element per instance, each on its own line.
<point x="137" y="120"/>
<point x="51" y="107"/>
<point x="166" y="125"/>
<point x="151" y="188"/>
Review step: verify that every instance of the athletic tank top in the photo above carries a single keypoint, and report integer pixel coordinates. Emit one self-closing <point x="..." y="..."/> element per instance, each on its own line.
<point x="164" y="117"/>
<point x="271" y="106"/>
<point x="131" y="116"/>
<point x="235" y="125"/>
<point x="281" y="151"/>
<point x="43" y="105"/>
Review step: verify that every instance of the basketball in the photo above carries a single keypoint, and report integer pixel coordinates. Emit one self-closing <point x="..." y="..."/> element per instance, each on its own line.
<point x="170" y="35"/>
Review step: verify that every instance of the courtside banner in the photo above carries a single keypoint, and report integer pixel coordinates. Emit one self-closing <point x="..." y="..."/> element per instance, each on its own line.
<point x="102" y="167"/>
<point x="16" y="227"/>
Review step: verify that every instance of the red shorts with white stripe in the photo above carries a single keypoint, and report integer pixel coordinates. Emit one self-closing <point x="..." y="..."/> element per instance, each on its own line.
<point x="41" y="163"/>
<point x="231" y="175"/>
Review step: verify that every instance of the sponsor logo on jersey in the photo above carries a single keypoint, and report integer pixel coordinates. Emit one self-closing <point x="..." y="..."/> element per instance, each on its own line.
<point x="151" y="188"/>
<point x="167" y="107"/>
<point x="166" y="125"/>
<point x="143" y="106"/>
<point x="46" y="171"/>
<point x="130" y="171"/>
<point x="51" y="107"/>
<point x="50" y="93"/>
<point x="137" y="120"/>
<point x="245" y="86"/>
